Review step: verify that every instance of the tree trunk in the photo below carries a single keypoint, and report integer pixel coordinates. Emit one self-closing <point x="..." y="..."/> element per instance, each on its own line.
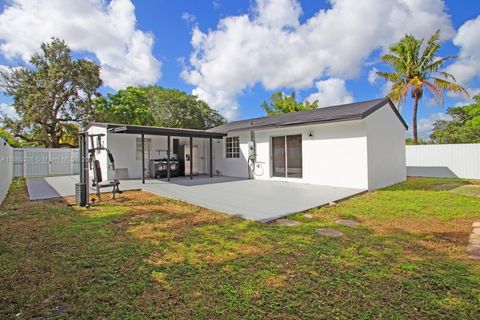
<point x="46" y="139"/>
<point x="54" y="139"/>
<point x="415" y="110"/>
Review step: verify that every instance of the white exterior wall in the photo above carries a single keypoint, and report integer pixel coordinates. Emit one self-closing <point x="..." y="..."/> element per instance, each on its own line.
<point x="444" y="160"/>
<point x="6" y="168"/>
<point x="123" y="148"/>
<point x="232" y="167"/>
<point x="203" y="153"/>
<point x="335" y="155"/>
<point x="386" y="148"/>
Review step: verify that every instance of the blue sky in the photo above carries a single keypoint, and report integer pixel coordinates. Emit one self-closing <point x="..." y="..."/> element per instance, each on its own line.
<point x="235" y="54"/>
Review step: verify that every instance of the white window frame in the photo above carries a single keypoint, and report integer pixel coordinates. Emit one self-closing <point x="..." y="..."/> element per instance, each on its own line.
<point x="138" y="147"/>
<point x="232" y="147"/>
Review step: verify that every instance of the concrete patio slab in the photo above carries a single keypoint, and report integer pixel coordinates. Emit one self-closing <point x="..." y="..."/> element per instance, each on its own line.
<point x="258" y="200"/>
<point x="60" y="186"/>
<point x="39" y="189"/>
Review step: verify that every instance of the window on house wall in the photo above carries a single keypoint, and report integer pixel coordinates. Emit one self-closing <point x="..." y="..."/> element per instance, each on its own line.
<point x="232" y="147"/>
<point x="148" y="148"/>
<point x="176" y="146"/>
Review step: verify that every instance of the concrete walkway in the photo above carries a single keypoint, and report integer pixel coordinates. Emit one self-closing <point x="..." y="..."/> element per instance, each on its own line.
<point x="258" y="200"/>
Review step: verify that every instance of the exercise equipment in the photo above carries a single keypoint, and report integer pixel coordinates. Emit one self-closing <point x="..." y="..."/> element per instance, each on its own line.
<point x="90" y="162"/>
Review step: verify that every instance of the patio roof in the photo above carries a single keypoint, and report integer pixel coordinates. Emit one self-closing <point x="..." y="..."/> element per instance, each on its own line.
<point x="160" y="131"/>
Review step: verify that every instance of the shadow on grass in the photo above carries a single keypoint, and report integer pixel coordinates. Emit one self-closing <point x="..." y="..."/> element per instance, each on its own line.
<point x="438" y="184"/>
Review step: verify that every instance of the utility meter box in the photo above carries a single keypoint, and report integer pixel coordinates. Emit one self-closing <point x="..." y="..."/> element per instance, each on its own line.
<point x="251" y="148"/>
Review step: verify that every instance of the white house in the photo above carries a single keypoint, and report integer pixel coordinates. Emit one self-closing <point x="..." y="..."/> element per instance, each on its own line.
<point x="358" y="145"/>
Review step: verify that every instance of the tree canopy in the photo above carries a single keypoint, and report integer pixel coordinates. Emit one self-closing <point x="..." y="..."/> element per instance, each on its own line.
<point x="9" y="138"/>
<point x="409" y="141"/>
<point x="281" y="103"/>
<point x="416" y="69"/>
<point x="464" y="126"/>
<point x="128" y="106"/>
<point x="52" y="97"/>
<point x="157" y="106"/>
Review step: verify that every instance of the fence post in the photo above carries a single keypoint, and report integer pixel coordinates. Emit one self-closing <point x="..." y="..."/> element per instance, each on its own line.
<point x="71" y="161"/>
<point x="49" y="159"/>
<point x="24" y="162"/>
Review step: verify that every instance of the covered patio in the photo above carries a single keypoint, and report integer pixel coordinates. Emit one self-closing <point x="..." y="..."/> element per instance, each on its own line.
<point x="260" y="200"/>
<point x="169" y="133"/>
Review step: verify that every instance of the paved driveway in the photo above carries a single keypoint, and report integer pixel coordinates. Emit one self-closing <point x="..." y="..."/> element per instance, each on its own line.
<point x="250" y="199"/>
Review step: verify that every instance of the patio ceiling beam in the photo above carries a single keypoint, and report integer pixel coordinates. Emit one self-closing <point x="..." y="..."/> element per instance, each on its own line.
<point x="147" y="130"/>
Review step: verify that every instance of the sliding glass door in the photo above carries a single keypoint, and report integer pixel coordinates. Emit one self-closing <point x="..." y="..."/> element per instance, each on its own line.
<point x="278" y="157"/>
<point x="294" y="156"/>
<point x="287" y="156"/>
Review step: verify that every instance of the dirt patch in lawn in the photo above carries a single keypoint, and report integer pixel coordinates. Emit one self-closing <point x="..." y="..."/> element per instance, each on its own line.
<point x="447" y="186"/>
<point x="468" y="190"/>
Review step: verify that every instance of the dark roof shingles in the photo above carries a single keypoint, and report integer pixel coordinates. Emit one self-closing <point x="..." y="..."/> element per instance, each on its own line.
<point x="351" y="111"/>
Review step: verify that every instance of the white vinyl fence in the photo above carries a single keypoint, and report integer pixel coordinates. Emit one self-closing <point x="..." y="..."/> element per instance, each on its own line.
<point x="6" y="168"/>
<point x="444" y="160"/>
<point x="30" y="162"/>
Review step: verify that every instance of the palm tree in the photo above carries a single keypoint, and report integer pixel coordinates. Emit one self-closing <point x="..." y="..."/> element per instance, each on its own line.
<point x="416" y="70"/>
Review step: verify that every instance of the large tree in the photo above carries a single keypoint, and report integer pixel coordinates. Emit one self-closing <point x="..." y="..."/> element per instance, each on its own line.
<point x="128" y="106"/>
<point x="464" y="126"/>
<point x="416" y="68"/>
<point x="52" y="96"/>
<point x="154" y="105"/>
<point x="281" y="103"/>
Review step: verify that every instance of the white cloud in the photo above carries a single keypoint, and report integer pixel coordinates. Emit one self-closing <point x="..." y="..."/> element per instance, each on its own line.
<point x="463" y="100"/>
<point x="372" y="75"/>
<point x="223" y="101"/>
<point x="108" y="30"/>
<point x="331" y="92"/>
<point x="473" y="92"/>
<point x="467" y="66"/>
<point x="189" y="17"/>
<point x="386" y="88"/>
<point x="7" y="110"/>
<point x="425" y="125"/>
<point x="272" y="47"/>
<point x="278" y="13"/>
<point x="7" y="71"/>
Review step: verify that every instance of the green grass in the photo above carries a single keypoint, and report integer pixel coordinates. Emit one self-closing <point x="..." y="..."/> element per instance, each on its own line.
<point x="144" y="257"/>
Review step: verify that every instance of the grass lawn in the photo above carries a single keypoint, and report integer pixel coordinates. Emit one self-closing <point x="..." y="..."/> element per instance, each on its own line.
<point x="144" y="256"/>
